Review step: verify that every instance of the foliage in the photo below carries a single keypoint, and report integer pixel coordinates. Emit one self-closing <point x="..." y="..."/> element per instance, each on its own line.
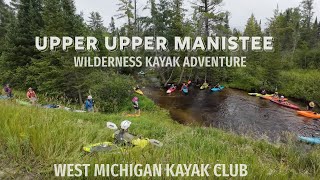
<point x="35" y="139"/>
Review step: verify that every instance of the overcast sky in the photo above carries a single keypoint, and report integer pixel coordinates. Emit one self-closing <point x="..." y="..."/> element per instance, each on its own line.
<point x="240" y="9"/>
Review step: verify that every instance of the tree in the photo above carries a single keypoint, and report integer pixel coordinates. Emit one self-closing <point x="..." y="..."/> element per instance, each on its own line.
<point x="112" y="27"/>
<point x="212" y="15"/>
<point x="252" y="28"/>
<point x="19" y="46"/>
<point x="6" y="17"/>
<point x="126" y="8"/>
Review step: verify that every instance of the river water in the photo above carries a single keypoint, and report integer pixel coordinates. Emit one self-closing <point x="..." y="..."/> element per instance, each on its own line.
<point x="233" y="110"/>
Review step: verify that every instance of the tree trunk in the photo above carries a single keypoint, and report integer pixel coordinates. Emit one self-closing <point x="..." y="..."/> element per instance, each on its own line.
<point x="165" y="84"/>
<point x="182" y="72"/>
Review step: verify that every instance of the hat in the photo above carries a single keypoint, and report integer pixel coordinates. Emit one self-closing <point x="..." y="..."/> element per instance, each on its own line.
<point x="135" y="99"/>
<point x="311" y="104"/>
<point x="125" y="124"/>
<point x="89" y="97"/>
<point x="30" y="88"/>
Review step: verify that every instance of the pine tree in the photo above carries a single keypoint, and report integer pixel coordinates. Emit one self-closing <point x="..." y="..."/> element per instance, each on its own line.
<point x="126" y="8"/>
<point x="19" y="50"/>
<point x="6" y="17"/>
<point x="212" y="15"/>
<point x="252" y="28"/>
<point x="112" y="27"/>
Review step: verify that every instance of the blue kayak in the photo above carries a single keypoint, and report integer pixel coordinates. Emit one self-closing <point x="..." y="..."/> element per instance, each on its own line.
<point x="311" y="140"/>
<point x="217" y="89"/>
<point x="185" y="90"/>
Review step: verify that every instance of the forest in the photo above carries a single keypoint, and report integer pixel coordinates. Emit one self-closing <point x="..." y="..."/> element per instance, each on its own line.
<point x="292" y="68"/>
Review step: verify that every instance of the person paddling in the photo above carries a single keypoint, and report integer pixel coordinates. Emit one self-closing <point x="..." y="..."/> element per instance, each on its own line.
<point x="135" y="102"/>
<point x="217" y="86"/>
<point x="31" y="95"/>
<point x="184" y="86"/>
<point x="89" y="104"/>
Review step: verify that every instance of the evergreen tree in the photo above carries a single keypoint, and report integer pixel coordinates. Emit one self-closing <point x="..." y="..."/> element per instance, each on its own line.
<point x="126" y="8"/>
<point x="6" y="17"/>
<point x="19" y="50"/>
<point x="112" y="27"/>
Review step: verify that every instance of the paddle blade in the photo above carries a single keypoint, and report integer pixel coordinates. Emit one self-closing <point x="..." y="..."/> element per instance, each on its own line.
<point x="156" y="142"/>
<point x="111" y="125"/>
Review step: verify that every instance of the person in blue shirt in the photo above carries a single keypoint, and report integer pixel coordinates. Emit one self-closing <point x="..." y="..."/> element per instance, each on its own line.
<point x="89" y="104"/>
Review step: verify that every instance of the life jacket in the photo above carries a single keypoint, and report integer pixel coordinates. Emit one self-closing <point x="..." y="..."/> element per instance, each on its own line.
<point x="31" y="94"/>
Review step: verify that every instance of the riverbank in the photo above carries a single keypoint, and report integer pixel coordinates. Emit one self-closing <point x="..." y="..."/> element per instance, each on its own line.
<point x="298" y="84"/>
<point x="33" y="139"/>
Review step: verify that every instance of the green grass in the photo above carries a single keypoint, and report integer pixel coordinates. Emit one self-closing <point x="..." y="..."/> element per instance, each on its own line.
<point x="33" y="139"/>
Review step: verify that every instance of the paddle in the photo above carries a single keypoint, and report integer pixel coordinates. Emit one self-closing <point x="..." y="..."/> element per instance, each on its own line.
<point x="156" y="142"/>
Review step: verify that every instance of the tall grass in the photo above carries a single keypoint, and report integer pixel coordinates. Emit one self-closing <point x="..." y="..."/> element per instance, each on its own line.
<point x="33" y="139"/>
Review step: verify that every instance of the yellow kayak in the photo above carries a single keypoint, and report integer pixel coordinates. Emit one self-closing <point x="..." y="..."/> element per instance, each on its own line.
<point x="204" y="86"/>
<point x="132" y="115"/>
<point x="138" y="91"/>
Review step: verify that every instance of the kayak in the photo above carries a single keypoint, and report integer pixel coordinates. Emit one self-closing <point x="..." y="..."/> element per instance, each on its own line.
<point x="4" y="97"/>
<point x="109" y="146"/>
<point x="138" y="91"/>
<point x="309" y="114"/>
<point x="259" y="95"/>
<point x="24" y="103"/>
<point x="132" y="115"/>
<point x="185" y="90"/>
<point x="171" y="90"/>
<point x="286" y="104"/>
<point x="217" y="89"/>
<point x="311" y="140"/>
<point x="204" y="86"/>
<point x="270" y="97"/>
<point x="98" y="147"/>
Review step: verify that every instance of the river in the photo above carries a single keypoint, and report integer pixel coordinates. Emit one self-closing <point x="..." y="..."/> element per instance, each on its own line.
<point x="233" y="110"/>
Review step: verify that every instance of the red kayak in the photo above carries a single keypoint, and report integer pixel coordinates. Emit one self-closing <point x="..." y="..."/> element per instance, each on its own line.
<point x="286" y="104"/>
<point x="171" y="90"/>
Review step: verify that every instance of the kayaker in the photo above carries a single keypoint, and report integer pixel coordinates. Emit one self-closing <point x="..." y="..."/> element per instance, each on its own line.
<point x="89" y="104"/>
<point x="217" y="86"/>
<point x="276" y="95"/>
<point x="137" y="88"/>
<point x="8" y="91"/>
<point x="184" y="86"/>
<point x="281" y="99"/>
<point x="311" y="105"/>
<point x="135" y="102"/>
<point x="31" y="95"/>
<point x="263" y="92"/>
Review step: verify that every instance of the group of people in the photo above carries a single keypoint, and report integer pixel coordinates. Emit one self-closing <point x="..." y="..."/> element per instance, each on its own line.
<point x="281" y="98"/>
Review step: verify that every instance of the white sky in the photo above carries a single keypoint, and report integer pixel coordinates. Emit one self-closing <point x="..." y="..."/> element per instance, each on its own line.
<point x="240" y="9"/>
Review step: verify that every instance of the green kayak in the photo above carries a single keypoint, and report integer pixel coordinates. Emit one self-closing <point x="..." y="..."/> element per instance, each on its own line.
<point x="24" y="103"/>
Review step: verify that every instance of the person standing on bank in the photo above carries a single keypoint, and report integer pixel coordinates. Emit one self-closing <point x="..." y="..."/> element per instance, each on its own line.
<point x="89" y="104"/>
<point x="31" y="95"/>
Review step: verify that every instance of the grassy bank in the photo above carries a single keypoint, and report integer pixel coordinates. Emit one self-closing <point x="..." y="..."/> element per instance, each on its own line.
<point x="33" y="139"/>
<point x="299" y="84"/>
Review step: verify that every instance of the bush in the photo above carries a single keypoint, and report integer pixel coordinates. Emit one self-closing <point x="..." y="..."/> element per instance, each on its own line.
<point x="111" y="91"/>
<point x="301" y="84"/>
